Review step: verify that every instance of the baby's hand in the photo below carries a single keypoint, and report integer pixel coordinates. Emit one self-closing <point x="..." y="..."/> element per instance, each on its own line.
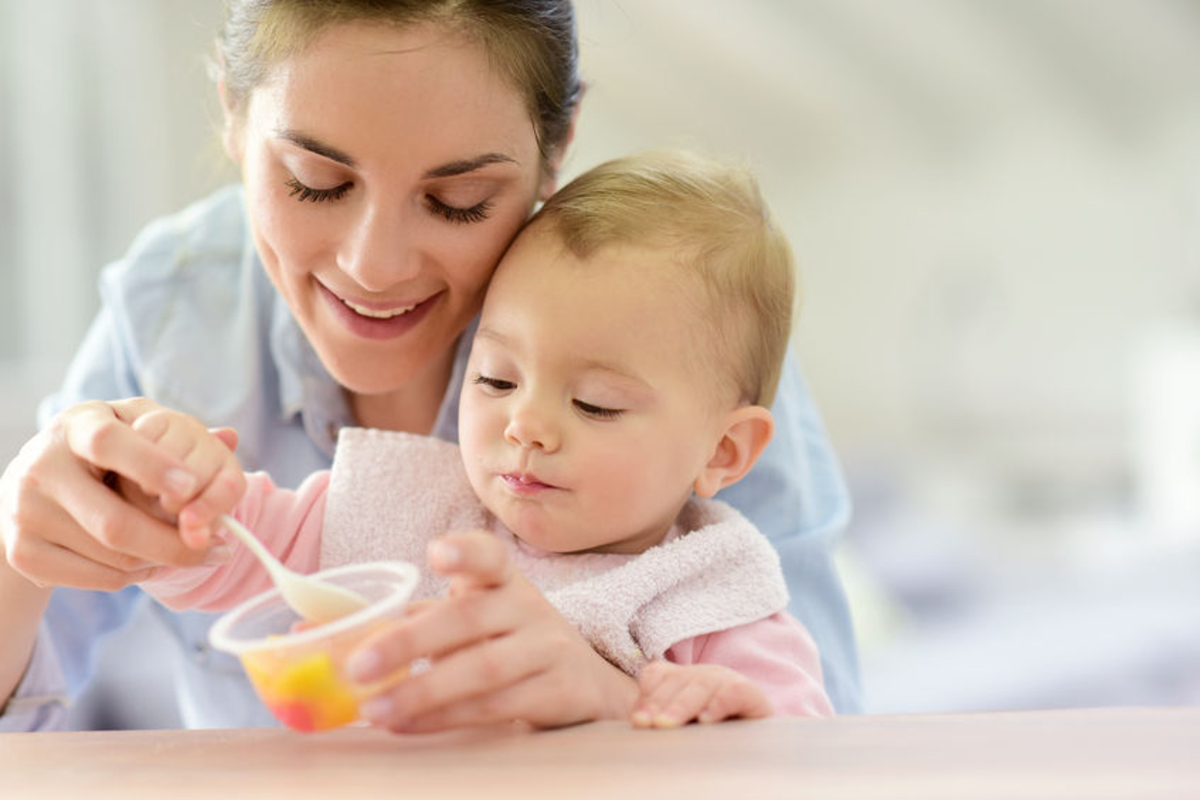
<point x="676" y="694"/>
<point x="208" y="456"/>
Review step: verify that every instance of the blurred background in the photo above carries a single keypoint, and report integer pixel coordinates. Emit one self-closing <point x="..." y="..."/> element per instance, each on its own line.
<point x="996" y="209"/>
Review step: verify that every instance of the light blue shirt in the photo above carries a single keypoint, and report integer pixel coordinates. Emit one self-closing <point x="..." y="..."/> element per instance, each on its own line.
<point x="190" y="319"/>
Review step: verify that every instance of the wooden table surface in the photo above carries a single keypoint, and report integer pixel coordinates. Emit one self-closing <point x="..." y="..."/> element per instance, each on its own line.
<point x="1103" y="753"/>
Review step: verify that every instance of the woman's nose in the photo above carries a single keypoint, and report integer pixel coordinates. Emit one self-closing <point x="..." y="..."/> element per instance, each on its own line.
<point x="532" y="427"/>
<point x="379" y="249"/>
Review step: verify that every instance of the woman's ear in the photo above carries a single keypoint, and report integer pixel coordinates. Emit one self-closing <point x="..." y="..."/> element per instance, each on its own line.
<point x="550" y="181"/>
<point x="747" y="431"/>
<point x="231" y="132"/>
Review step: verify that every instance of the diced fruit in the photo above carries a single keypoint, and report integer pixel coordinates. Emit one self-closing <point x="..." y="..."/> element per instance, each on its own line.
<point x="305" y="695"/>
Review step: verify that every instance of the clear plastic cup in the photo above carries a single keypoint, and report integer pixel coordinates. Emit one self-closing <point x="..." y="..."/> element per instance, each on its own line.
<point x="298" y="671"/>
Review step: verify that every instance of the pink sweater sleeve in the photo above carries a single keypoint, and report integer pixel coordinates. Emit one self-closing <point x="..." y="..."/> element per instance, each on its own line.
<point x="287" y="522"/>
<point x="777" y="653"/>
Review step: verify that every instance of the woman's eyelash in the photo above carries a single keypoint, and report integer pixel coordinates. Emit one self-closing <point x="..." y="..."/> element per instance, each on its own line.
<point x="303" y="193"/>
<point x="476" y="213"/>
<point x="597" y="411"/>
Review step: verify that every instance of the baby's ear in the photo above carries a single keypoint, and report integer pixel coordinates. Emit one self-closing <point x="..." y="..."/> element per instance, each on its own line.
<point x="747" y="431"/>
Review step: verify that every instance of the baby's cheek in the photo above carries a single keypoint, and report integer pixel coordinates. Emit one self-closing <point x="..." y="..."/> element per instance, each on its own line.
<point x="623" y="490"/>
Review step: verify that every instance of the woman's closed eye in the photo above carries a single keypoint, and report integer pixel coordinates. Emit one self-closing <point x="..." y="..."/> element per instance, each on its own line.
<point x="307" y="193"/>
<point x="599" y="412"/>
<point x="462" y="216"/>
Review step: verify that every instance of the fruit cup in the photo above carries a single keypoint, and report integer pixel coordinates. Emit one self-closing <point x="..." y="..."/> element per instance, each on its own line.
<point x="298" y="670"/>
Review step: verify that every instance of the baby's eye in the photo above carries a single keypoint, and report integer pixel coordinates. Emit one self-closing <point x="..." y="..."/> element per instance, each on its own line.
<point x="494" y="384"/>
<point x="598" y="411"/>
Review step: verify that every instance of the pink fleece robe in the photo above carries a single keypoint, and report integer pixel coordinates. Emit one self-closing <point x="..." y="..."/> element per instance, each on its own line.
<point x="711" y="593"/>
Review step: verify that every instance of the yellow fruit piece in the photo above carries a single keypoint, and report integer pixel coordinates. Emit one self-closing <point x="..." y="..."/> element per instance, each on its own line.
<point x="311" y="676"/>
<point x="311" y="681"/>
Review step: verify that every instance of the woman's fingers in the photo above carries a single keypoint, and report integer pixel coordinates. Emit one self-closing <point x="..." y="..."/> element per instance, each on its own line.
<point x="61" y="567"/>
<point x="82" y="563"/>
<point x="61" y="522"/>
<point x="94" y="433"/>
<point x="103" y="518"/>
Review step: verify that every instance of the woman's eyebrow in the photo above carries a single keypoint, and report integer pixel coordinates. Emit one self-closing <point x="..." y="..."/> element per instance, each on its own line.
<point x="448" y="170"/>
<point x="469" y="165"/>
<point x="315" y="146"/>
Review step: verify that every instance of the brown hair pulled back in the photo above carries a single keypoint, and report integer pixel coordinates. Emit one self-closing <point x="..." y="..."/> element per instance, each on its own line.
<point x="532" y="42"/>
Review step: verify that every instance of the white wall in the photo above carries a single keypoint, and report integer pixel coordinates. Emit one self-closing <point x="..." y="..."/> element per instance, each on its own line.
<point x="107" y="121"/>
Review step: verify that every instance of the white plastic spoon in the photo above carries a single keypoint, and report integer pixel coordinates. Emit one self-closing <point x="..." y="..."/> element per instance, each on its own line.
<point x="313" y="599"/>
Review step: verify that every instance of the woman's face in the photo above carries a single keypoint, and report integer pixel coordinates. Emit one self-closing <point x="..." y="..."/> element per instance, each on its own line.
<point x="386" y="170"/>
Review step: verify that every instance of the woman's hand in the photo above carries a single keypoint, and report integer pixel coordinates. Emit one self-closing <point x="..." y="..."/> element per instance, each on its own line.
<point x="499" y="652"/>
<point x="62" y="525"/>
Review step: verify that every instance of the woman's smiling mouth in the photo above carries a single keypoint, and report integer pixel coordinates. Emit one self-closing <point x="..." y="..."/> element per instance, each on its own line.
<point x="379" y="313"/>
<point x="377" y="320"/>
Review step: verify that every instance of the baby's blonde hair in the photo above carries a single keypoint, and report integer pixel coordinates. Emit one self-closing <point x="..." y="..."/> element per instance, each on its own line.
<point x="712" y="216"/>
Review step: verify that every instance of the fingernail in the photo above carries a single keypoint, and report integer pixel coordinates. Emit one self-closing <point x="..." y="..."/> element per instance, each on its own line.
<point x="665" y="721"/>
<point x="363" y="665"/>
<point x="221" y="554"/>
<point x="642" y="719"/>
<point x="180" y="481"/>
<point x="443" y="555"/>
<point x="377" y="708"/>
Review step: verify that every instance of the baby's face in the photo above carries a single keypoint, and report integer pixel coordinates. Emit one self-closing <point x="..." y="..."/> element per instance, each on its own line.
<point x="586" y="411"/>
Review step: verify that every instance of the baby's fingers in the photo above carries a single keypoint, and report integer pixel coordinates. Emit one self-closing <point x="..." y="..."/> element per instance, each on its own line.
<point x="690" y="698"/>
<point x="472" y="559"/>
<point x="671" y="695"/>
<point x="98" y="435"/>
<point x="740" y="699"/>
<point x="198" y="518"/>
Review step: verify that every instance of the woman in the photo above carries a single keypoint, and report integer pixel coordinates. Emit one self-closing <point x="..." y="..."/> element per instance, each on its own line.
<point x="389" y="153"/>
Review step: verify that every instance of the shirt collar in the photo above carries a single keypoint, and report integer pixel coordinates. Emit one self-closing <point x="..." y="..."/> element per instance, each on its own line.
<point x="306" y="387"/>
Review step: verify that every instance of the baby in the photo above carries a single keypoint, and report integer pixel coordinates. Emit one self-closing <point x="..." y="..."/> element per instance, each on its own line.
<point x="620" y="375"/>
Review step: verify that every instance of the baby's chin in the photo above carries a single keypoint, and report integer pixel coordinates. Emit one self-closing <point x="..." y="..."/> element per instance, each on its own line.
<point x="539" y="538"/>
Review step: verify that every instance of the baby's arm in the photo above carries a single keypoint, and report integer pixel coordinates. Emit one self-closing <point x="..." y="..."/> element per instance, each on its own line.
<point x="676" y="694"/>
<point x="208" y="456"/>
